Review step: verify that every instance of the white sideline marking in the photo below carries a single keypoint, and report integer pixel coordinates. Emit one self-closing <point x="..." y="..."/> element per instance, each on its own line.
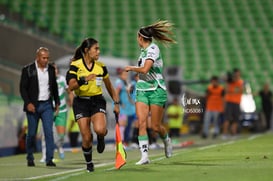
<point x="215" y="145"/>
<point x="207" y="147"/>
<point x="158" y="159"/>
<point x="227" y="143"/>
<point x="54" y="174"/>
<point x="67" y="176"/>
<point x="65" y="172"/>
<point x="254" y="137"/>
<point x="110" y="169"/>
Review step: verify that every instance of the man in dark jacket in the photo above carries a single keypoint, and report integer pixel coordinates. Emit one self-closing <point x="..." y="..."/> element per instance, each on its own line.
<point x="38" y="88"/>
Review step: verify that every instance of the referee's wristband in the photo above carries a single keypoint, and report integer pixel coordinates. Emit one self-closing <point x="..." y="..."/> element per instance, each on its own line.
<point x="82" y="81"/>
<point x="117" y="102"/>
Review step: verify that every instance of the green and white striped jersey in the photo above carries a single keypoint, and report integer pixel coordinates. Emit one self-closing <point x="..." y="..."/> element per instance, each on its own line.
<point x="62" y="86"/>
<point x="154" y="77"/>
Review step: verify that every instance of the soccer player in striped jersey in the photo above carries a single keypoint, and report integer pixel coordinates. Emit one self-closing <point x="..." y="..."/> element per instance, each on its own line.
<point x="151" y="93"/>
<point x="61" y="118"/>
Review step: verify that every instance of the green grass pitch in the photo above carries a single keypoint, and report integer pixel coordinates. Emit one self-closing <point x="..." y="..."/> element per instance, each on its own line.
<point x="249" y="157"/>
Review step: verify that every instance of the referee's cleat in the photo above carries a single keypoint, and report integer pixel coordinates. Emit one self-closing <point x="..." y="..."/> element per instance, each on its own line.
<point x="168" y="147"/>
<point x="101" y="144"/>
<point x="143" y="161"/>
<point x="90" y="167"/>
<point x="30" y="163"/>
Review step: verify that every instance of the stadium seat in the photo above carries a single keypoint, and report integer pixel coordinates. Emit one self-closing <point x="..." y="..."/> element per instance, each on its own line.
<point x="212" y="35"/>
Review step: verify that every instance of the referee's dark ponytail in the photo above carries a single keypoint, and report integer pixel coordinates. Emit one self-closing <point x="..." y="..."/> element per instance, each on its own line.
<point x="80" y="51"/>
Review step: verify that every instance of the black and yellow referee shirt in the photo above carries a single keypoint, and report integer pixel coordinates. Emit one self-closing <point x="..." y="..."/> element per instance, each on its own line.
<point x="79" y="69"/>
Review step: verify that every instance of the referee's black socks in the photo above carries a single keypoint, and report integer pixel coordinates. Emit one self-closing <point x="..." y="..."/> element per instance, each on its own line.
<point x="87" y="153"/>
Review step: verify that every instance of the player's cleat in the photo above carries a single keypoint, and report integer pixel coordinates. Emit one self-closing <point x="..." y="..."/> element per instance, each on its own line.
<point x="225" y="137"/>
<point x="168" y="147"/>
<point x="154" y="146"/>
<point x="30" y="163"/>
<point x="143" y="161"/>
<point x="90" y="167"/>
<point x="101" y="144"/>
<point x="42" y="160"/>
<point x="50" y="164"/>
<point x="61" y="155"/>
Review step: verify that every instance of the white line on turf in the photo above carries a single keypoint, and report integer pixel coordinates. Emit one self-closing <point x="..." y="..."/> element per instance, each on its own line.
<point x="254" y="137"/>
<point x="227" y="143"/>
<point x="158" y="159"/>
<point x="66" y="172"/>
<point x="207" y="147"/>
<point x="54" y="174"/>
<point x="216" y="145"/>
<point x="110" y="169"/>
<point x="67" y="176"/>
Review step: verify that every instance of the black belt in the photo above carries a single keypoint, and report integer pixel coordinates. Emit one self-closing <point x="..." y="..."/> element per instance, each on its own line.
<point x="41" y="101"/>
<point x="90" y="97"/>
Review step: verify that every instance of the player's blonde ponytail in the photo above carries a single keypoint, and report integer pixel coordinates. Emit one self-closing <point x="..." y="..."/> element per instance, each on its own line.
<point x="160" y="31"/>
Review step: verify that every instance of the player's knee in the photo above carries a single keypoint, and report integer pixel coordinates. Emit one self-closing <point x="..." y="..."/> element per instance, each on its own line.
<point x="101" y="132"/>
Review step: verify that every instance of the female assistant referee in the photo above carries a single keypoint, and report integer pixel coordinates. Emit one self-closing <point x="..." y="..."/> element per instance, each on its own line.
<point x="85" y="77"/>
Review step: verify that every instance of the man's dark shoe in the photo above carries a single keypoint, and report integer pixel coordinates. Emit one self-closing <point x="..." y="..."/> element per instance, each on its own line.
<point x="50" y="164"/>
<point x="90" y="167"/>
<point x="30" y="163"/>
<point x="214" y="135"/>
<point x="204" y="136"/>
<point x="101" y="144"/>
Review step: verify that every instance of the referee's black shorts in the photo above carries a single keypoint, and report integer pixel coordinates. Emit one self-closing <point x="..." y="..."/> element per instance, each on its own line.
<point x="88" y="106"/>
